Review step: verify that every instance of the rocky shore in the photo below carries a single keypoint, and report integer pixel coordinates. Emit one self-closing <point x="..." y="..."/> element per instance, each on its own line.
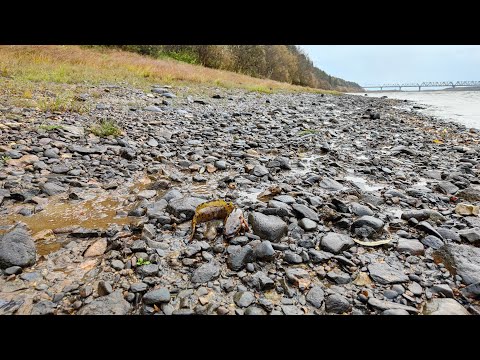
<point x="356" y="205"/>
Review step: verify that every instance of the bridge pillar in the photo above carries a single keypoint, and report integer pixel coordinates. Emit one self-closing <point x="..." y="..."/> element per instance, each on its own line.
<point x="381" y="88"/>
<point x="419" y="88"/>
<point x="400" y="88"/>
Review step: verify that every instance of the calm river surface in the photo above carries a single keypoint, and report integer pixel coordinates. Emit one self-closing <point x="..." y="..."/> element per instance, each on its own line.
<point x="459" y="106"/>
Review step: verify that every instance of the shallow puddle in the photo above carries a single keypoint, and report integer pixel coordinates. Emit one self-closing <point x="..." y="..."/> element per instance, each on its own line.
<point x="96" y="213"/>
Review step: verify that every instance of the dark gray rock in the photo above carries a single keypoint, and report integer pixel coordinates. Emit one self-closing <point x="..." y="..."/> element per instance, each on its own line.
<point x="206" y="273"/>
<point x="361" y="210"/>
<point x="239" y="256"/>
<point x="315" y="296"/>
<point x="472" y="291"/>
<point x="319" y="256"/>
<point x="244" y="298"/>
<point x="156" y="209"/>
<point x="51" y="189"/>
<point x="118" y="265"/>
<point x="148" y="270"/>
<point x="470" y="235"/>
<point x="60" y="169"/>
<point x="470" y="194"/>
<point x="390" y="305"/>
<point x="307" y="224"/>
<point x="432" y="241"/>
<point x="112" y="304"/>
<point x="448" y="234"/>
<point x="336" y="243"/>
<point x="17" y="248"/>
<point x="292" y="258"/>
<point x="423" y="214"/>
<point x="442" y="289"/>
<point x="410" y="246"/>
<point x="425" y="226"/>
<point x="464" y="260"/>
<point x="337" y="304"/>
<point x="172" y="194"/>
<point x="139" y="246"/>
<point x="221" y="164"/>
<point x="31" y="276"/>
<point x="43" y="307"/>
<point x="268" y="227"/>
<point x="291" y="310"/>
<point x="262" y="281"/>
<point x="185" y="206"/>
<point x="369" y="221"/>
<point x="264" y="251"/>
<point x="193" y="249"/>
<point x="415" y="288"/>
<point x="446" y="187"/>
<point x="437" y="306"/>
<point x="138" y="287"/>
<point x="128" y="153"/>
<point x="104" y="288"/>
<point x="51" y="153"/>
<point x="13" y="270"/>
<point x="385" y="274"/>
<point x="305" y="212"/>
<point x="330" y="184"/>
<point x="260" y="170"/>
<point x="339" y="277"/>
<point x="161" y="295"/>
<point x="287" y="199"/>
<point x="254" y="310"/>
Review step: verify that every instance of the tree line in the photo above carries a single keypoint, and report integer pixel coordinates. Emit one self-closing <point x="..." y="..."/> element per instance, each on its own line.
<point x="285" y="63"/>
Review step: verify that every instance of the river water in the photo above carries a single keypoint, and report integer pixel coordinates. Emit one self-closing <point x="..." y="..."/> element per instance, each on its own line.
<point x="459" y="106"/>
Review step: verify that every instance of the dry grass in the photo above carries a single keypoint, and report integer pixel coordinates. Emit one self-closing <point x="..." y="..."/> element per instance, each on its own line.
<point x="77" y="65"/>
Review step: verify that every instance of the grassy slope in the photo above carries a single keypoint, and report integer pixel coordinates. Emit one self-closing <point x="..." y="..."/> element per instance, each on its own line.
<point x="49" y="65"/>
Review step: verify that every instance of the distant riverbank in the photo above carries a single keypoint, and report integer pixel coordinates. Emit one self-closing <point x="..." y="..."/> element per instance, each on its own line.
<point x="459" y="106"/>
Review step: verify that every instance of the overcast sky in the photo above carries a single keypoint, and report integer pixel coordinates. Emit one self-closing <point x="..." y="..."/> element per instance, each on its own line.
<point x="375" y="64"/>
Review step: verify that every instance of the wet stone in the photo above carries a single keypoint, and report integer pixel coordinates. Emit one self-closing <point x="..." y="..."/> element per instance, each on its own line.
<point x="292" y="258"/>
<point x="432" y="241"/>
<point x="205" y="273"/>
<point x="268" y="227"/>
<point x="307" y="224"/>
<point x="138" y="287"/>
<point x="337" y="304"/>
<point x="336" y="243"/>
<point x="438" y="306"/>
<point x="104" y="288"/>
<point x="161" y="295"/>
<point x="244" y="298"/>
<point x="385" y="274"/>
<point x="409" y="246"/>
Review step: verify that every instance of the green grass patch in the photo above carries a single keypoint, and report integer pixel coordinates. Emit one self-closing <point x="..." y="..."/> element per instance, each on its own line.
<point x="141" y="262"/>
<point x="106" y="128"/>
<point x="260" y="89"/>
<point x="306" y="132"/>
<point x="61" y="103"/>
<point x="49" y="127"/>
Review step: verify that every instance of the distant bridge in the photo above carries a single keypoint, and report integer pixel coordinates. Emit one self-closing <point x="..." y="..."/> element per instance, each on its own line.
<point x="426" y="84"/>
